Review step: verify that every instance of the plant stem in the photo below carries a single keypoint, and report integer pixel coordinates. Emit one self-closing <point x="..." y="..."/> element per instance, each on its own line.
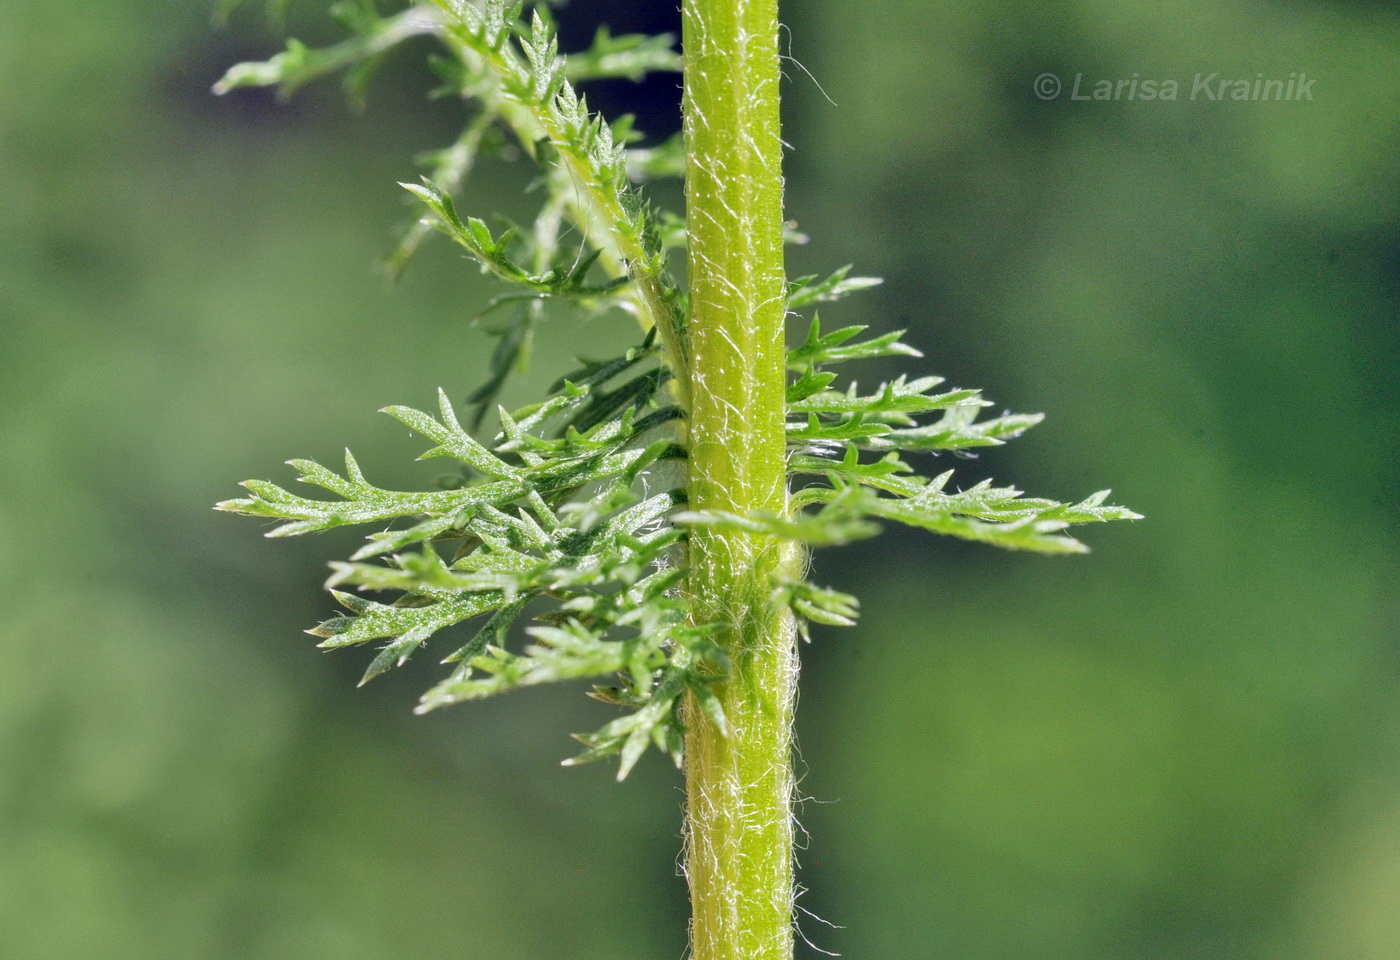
<point x="739" y="781"/>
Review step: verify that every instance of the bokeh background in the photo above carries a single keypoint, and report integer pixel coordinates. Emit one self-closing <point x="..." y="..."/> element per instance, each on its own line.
<point x="1183" y="746"/>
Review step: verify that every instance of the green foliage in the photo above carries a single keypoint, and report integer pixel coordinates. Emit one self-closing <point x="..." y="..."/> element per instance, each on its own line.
<point x="550" y="511"/>
<point x="573" y="512"/>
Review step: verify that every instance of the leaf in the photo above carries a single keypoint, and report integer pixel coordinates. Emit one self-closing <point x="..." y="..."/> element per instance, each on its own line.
<point x="630" y="57"/>
<point x="818" y="350"/>
<point x="452" y="440"/>
<point x="810" y="290"/>
<point x="998" y="516"/>
<point x="450" y="168"/>
<point x="299" y="64"/>
<point x="817" y="604"/>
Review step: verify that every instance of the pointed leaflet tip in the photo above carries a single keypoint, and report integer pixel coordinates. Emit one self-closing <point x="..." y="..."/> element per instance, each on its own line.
<point x="449" y="415"/>
<point x="906" y="349"/>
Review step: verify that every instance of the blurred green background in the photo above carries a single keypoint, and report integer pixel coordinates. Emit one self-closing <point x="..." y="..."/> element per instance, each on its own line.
<point x="1185" y="745"/>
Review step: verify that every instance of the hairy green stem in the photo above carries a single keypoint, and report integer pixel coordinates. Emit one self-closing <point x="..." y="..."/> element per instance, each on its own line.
<point x="738" y="781"/>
